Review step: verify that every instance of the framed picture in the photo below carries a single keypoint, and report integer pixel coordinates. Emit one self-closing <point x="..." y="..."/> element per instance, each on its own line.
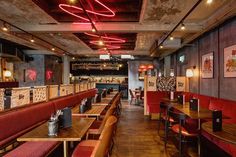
<point x="208" y="65"/>
<point x="230" y="61"/>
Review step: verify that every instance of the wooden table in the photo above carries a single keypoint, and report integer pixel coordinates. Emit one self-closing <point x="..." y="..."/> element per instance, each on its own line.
<point x="95" y="111"/>
<point x="203" y="113"/>
<point x="228" y="133"/>
<point x="101" y="103"/>
<point x="106" y="100"/>
<point x="74" y="133"/>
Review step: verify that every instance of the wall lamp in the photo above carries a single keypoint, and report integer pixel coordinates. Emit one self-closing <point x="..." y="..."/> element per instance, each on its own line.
<point x="189" y="72"/>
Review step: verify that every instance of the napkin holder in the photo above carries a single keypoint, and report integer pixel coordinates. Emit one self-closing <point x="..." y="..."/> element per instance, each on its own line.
<point x="65" y="119"/>
<point x="181" y="99"/>
<point x="98" y="98"/>
<point x="216" y="121"/>
<point x="88" y="104"/>
<point x="194" y="104"/>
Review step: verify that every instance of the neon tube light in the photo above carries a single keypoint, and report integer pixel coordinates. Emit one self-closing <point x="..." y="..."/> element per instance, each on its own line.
<point x="66" y="8"/>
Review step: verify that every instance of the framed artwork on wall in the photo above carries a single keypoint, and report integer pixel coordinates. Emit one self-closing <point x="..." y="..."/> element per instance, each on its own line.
<point x="230" y="61"/>
<point x="208" y="65"/>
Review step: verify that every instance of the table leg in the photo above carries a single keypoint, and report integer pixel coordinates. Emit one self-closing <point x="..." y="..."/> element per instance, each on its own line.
<point x="65" y="148"/>
<point x="199" y="142"/>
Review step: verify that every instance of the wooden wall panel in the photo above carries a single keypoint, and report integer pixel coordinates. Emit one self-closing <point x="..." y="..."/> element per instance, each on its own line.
<point x="66" y="89"/>
<point x="1" y="99"/>
<point x="20" y="96"/>
<point x="52" y="91"/>
<point x="77" y="88"/>
<point x="39" y="94"/>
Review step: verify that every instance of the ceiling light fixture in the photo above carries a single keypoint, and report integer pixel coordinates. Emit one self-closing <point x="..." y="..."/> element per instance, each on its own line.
<point x="67" y="8"/>
<point x="73" y="58"/>
<point x="161" y="46"/>
<point x="93" y="30"/>
<point x="4" y="27"/>
<point x="100" y="42"/>
<point x="182" y="27"/>
<point x="32" y="40"/>
<point x="209" y="1"/>
<point x="177" y="25"/>
<point x="106" y="40"/>
<point x="72" y="1"/>
<point x="53" y="49"/>
<point x="171" y="38"/>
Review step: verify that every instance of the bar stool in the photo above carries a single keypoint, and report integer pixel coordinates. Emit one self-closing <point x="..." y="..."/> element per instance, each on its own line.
<point x="179" y="129"/>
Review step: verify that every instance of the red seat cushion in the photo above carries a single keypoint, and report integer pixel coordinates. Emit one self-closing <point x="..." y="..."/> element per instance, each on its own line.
<point x="85" y="148"/>
<point x="175" y="128"/>
<point x="33" y="149"/>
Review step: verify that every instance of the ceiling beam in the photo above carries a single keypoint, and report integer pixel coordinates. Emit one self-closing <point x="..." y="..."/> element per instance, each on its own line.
<point x="108" y="27"/>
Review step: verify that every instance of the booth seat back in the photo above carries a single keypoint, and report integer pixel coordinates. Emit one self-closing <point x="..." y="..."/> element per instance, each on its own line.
<point x="72" y="100"/>
<point x="204" y="100"/>
<point x="188" y="96"/>
<point x="17" y="122"/>
<point x="63" y="102"/>
<point x="153" y="100"/>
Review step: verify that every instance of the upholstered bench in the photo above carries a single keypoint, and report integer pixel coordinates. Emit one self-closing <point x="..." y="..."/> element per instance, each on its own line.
<point x="17" y="122"/>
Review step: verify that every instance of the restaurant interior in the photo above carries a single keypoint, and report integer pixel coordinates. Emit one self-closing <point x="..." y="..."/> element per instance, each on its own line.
<point x="117" y="78"/>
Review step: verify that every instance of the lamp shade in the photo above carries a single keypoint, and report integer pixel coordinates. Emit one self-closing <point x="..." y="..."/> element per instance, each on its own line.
<point x="189" y="73"/>
<point x="7" y="73"/>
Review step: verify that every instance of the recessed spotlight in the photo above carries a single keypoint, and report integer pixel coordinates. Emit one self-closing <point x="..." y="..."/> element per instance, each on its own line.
<point x="72" y="1"/>
<point x="105" y="48"/>
<point x="171" y="38"/>
<point x="73" y="58"/>
<point x="104" y="65"/>
<point x="182" y="27"/>
<point x="93" y="30"/>
<point x="4" y="27"/>
<point x="32" y="40"/>
<point x="53" y="49"/>
<point x="100" y="42"/>
<point x="161" y="46"/>
<point x="209" y="1"/>
<point x="120" y="65"/>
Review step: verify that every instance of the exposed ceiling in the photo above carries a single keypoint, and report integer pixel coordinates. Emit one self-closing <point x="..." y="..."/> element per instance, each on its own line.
<point x="140" y="23"/>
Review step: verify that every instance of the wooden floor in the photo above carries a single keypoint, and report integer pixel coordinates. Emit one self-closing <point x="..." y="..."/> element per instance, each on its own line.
<point x="137" y="136"/>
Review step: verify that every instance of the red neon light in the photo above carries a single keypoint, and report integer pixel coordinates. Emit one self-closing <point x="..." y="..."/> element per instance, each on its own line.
<point x="150" y="66"/>
<point x="142" y="66"/>
<point x="32" y="74"/>
<point x="49" y="74"/>
<point x="66" y="7"/>
<point x="106" y="40"/>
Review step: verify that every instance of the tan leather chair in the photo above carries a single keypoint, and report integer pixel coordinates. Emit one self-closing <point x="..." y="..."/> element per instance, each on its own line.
<point x="98" y="126"/>
<point x="97" y="148"/>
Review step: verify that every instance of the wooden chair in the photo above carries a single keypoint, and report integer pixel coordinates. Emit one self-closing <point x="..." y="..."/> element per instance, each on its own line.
<point x="97" y="148"/>
<point x="133" y="97"/>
